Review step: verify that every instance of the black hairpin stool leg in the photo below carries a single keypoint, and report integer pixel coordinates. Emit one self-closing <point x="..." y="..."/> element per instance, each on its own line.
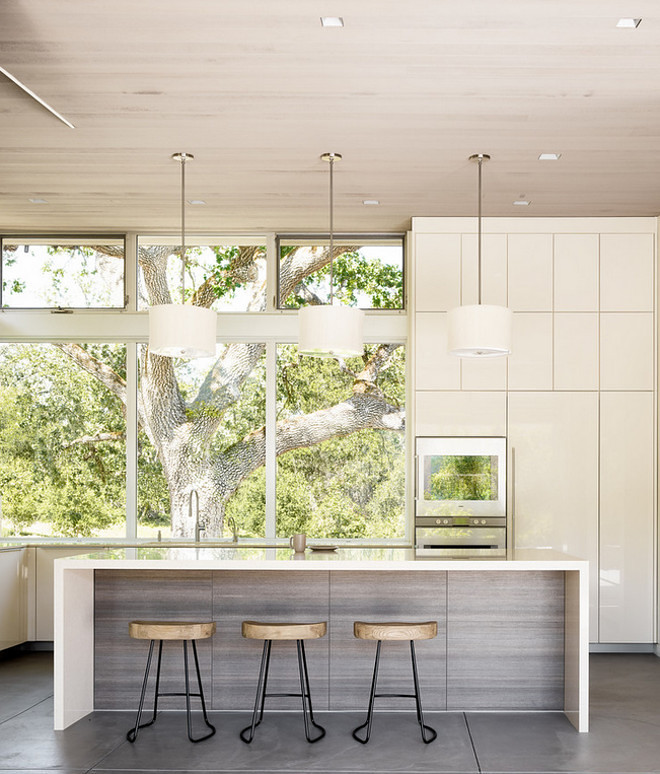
<point x="308" y="712"/>
<point x="372" y="696"/>
<point x="260" y="697"/>
<point x="427" y="739"/>
<point x="132" y="734"/>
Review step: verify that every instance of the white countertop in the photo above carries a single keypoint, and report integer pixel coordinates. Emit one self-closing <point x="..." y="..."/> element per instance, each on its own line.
<point x="353" y="559"/>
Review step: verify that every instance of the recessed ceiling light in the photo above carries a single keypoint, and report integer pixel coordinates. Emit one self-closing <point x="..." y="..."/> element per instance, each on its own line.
<point x="629" y="24"/>
<point x="521" y="203"/>
<point x="196" y="201"/>
<point x="332" y="21"/>
<point x="37" y="200"/>
<point x="549" y="156"/>
<point x="370" y="201"/>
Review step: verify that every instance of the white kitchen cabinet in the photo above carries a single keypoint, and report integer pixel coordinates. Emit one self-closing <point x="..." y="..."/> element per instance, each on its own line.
<point x="555" y="438"/>
<point x="626" y="273"/>
<point x="575" y="351"/>
<point x="626" y="351"/>
<point x="435" y="368"/>
<point x="576" y="272"/>
<point x="460" y="413"/>
<point x="530" y="272"/>
<point x="437" y="272"/>
<point x="13" y="598"/>
<point x="530" y="362"/>
<point x="44" y="571"/>
<point x="493" y="269"/>
<point x="626" y="517"/>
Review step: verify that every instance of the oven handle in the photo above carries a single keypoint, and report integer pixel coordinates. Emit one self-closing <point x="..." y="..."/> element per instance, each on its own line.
<point x="513" y="497"/>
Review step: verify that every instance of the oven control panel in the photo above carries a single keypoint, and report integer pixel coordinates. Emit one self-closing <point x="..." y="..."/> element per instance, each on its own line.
<point x="460" y="521"/>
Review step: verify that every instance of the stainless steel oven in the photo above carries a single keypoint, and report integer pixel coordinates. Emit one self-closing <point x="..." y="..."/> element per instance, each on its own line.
<point x="460" y="496"/>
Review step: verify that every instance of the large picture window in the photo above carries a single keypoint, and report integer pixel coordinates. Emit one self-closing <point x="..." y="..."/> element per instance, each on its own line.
<point x="344" y="475"/>
<point x="201" y="450"/>
<point x="105" y="439"/>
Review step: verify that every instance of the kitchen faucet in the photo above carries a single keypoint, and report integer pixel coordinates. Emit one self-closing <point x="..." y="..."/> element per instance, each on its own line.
<point x="194" y="496"/>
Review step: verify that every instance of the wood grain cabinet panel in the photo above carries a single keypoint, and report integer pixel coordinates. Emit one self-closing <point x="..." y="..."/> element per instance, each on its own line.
<point x="505" y="641"/>
<point x="301" y="597"/>
<point x="386" y="596"/>
<point x="124" y="596"/>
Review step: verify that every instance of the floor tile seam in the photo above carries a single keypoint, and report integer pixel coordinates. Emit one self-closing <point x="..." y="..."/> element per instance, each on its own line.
<point x="472" y="744"/>
<point x="122" y="742"/>
<point x="22" y="712"/>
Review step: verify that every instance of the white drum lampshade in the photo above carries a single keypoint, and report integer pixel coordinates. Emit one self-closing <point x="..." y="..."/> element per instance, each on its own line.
<point x="480" y="330"/>
<point x="330" y="331"/>
<point x="182" y="330"/>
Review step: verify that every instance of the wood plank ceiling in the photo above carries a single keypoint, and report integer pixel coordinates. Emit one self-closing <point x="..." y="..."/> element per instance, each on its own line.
<point x="257" y="90"/>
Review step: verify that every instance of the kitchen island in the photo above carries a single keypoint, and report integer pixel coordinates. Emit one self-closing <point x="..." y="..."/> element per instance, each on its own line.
<point x="512" y="632"/>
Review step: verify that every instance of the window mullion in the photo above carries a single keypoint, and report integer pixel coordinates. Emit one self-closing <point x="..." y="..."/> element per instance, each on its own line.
<point x="131" y="440"/>
<point x="271" y="459"/>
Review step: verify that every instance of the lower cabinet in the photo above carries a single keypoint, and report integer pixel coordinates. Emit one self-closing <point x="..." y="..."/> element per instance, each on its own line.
<point x="555" y="439"/>
<point x="13" y="598"/>
<point x="626" y="517"/>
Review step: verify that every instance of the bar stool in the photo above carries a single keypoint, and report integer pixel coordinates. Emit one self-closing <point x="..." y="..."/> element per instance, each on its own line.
<point x="171" y="630"/>
<point x="268" y="632"/>
<point x="395" y="631"/>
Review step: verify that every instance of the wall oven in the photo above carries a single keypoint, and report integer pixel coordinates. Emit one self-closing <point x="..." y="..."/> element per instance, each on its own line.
<point x="460" y="496"/>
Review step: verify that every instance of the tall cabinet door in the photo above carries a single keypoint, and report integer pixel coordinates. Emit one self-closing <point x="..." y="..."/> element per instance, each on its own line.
<point x="626" y="517"/>
<point x="555" y="439"/>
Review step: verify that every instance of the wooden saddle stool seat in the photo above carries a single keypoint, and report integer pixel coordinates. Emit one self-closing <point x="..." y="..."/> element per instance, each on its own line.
<point x="185" y="632"/>
<point x="292" y="631"/>
<point x="395" y="631"/>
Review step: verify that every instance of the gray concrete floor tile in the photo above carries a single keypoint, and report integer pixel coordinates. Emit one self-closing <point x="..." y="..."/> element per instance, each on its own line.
<point x="279" y="745"/>
<point x="519" y="743"/>
<point x="27" y="741"/>
<point x="26" y="680"/>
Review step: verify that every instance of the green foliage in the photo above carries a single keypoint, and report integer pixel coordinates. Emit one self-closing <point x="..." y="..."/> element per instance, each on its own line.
<point x="456" y="477"/>
<point x="356" y="281"/>
<point x="51" y="467"/>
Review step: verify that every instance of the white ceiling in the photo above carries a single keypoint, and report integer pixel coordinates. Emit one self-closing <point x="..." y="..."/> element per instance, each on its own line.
<point x="257" y="90"/>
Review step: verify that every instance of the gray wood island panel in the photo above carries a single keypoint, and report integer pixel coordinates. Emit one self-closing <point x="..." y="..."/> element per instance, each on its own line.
<point x="500" y="644"/>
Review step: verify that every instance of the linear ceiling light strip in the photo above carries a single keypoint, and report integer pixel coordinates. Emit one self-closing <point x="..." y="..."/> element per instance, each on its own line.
<point x="36" y="97"/>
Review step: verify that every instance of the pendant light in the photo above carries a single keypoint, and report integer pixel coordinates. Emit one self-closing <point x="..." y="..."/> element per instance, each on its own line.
<point x="329" y="330"/>
<point x="480" y="330"/>
<point x="182" y="330"/>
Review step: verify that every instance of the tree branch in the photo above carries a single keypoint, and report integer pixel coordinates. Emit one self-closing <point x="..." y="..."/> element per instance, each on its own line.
<point x="89" y="440"/>
<point x="96" y="368"/>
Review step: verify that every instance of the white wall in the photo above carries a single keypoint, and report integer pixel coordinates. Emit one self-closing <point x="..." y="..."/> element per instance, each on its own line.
<point x="576" y="398"/>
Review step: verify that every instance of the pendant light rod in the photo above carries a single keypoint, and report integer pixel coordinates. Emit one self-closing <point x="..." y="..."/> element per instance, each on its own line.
<point x="479" y="158"/>
<point x="331" y="158"/>
<point x="182" y="158"/>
